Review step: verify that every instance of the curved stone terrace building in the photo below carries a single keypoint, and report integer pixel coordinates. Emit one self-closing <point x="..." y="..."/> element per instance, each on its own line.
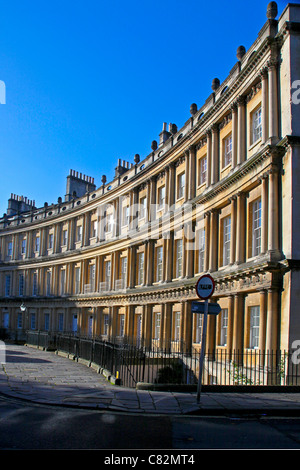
<point x="219" y="195"/>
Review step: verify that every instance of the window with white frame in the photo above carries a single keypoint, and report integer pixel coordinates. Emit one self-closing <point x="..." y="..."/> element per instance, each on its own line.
<point x="198" y="328"/>
<point x="10" y="249"/>
<point x="23" y="246"/>
<point x="157" y="324"/>
<point x="50" y="241"/>
<point x="105" y="324"/>
<point x="109" y="222"/>
<point x="64" y="237"/>
<point x="77" y="280"/>
<point x="37" y="244"/>
<point x="227" y="150"/>
<point x="254" y="327"/>
<point x="125" y="216"/>
<point x="176" y="333"/>
<point x="201" y="250"/>
<point x="21" y="284"/>
<point x="202" y="170"/>
<point x="256" y="227"/>
<point x="180" y="185"/>
<point x="107" y="274"/>
<point x="159" y="263"/>
<point x="121" y="325"/>
<point x="143" y="208"/>
<point x="179" y="258"/>
<point x="161" y="197"/>
<point x="223" y="326"/>
<point x="79" y="233"/>
<point x="226" y="240"/>
<point x="140" y="279"/>
<point x="256" y="125"/>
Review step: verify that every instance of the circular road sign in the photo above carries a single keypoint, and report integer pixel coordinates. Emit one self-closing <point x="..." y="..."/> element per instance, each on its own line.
<point x="205" y="287"/>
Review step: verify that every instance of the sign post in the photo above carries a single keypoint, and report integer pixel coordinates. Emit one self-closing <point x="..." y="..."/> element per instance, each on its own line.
<point x="204" y="289"/>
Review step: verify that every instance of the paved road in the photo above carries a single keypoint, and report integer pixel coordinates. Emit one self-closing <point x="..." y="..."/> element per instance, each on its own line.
<point x="51" y="402"/>
<point x="45" y="377"/>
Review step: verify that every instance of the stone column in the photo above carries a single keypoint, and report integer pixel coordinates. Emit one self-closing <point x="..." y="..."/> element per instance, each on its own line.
<point x="191" y="183"/>
<point x="273" y="232"/>
<point x="213" y="245"/>
<point x="215" y="154"/>
<point x="208" y="158"/>
<point x="241" y="228"/>
<point x="241" y="124"/>
<point x="187" y="174"/>
<point x="237" y="340"/>
<point x="230" y="323"/>
<point x="234" y="134"/>
<point x="187" y="326"/>
<point x="262" y="321"/>
<point x="264" y="105"/>
<point x="207" y="241"/>
<point x="273" y="99"/>
<point x="272" y="321"/>
<point x="233" y="230"/>
<point x="264" y="213"/>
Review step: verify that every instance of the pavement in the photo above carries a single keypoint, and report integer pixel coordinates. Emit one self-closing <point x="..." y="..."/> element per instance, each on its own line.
<point x="44" y="377"/>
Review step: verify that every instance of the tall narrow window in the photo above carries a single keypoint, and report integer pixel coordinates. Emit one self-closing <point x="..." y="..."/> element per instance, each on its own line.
<point x="256" y="228"/>
<point x="226" y="240"/>
<point x="121" y="325"/>
<point x="198" y="329"/>
<point x="107" y="274"/>
<point x="37" y="244"/>
<point x="202" y="170"/>
<point x="161" y="197"/>
<point x="105" y="324"/>
<point x="223" y="326"/>
<point x="180" y="185"/>
<point x="159" y="263"/>
<point x="143" y="208"/>
<point x="227" y="150"/>
<point x="10" y="249"/>
<point x="32" y="321"/>
<point x="256" y="125"/>
<point x="140" y="279"/>
<point x="157" y="323"/>
<point x="47" y="321"/>
<point x="21" y="284"/>
<point x="79" y="233"/>
<point x="179" y="254"/>
<point x="254" y="327"/>
<point x="23" y="246"/>
<point x="201" y="250"/>
<point x="77" y="280"/>
<point x="177" y="316"/>
<point x="124" y="272"/>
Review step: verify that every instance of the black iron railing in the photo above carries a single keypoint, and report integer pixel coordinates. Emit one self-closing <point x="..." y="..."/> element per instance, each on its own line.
<point x="133" y="362"/>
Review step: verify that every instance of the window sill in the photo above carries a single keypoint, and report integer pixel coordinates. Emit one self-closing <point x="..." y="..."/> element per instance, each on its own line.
<point x="254" y="144"/>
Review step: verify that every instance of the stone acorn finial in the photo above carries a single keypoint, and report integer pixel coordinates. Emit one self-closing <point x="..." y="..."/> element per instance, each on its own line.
<point x="241" y="51"/>
<point x="103" y="179"/>
<point x="193" y="109"/>
<point x="215" y="84"/>
<point x="272" y="11"/>
<point x="154" y="145"/>
<point x="136" y="158"/>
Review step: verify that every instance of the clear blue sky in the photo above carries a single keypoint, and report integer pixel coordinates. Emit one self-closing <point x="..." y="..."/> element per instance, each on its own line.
<point x="90" y="82"/>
